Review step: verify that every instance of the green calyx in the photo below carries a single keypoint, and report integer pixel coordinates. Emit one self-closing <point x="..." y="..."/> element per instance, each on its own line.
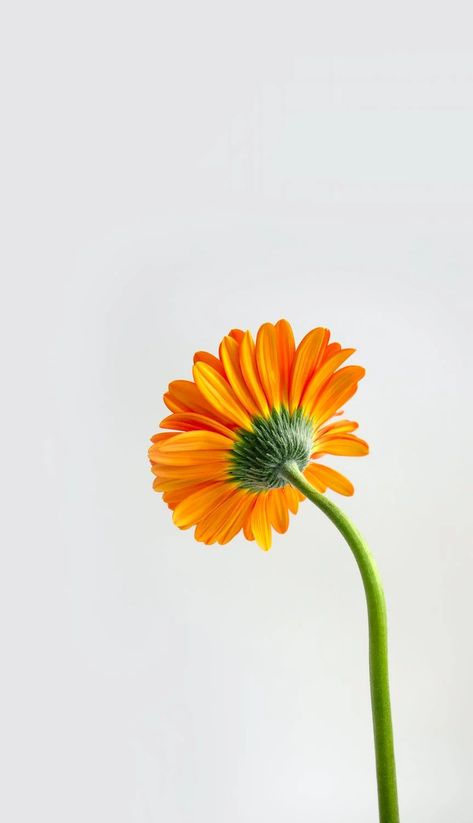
<point x="258" y="456"/>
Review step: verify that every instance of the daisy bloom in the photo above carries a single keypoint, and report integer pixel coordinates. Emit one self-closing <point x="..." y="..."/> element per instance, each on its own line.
<point x="249" y="413"/>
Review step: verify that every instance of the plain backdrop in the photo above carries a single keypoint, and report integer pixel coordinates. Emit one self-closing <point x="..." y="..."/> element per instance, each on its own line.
<point x="170" y="171"/>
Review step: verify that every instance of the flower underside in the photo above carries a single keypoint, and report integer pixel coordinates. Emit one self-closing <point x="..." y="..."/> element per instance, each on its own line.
<point x="258" y="456"/>
<point x="247" y="414"/>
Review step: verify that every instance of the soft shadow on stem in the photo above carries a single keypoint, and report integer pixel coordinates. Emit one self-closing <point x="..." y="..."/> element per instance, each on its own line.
<point x="378" y="644"/>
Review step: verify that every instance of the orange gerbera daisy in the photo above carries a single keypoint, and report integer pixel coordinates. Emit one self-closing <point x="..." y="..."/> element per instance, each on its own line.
<point x="248" y="413"/>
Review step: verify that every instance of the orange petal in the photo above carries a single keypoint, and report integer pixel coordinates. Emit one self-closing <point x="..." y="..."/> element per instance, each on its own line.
<point x="210" y="359"/>
<point x="292" y="498"/>
<point x="278" y="510"/>
<point x="210" y="471"/>
<point x="267" y="361"/>
<point x="173" y="496"/>
<point x="250" y="373"/>
<point x="331" y="349"/>
<point x="338" y="389"/>
<point x="213" y="524"/>
<point x="193" y="441"/>
<point x="311" y="474"/>
<point x="247" y="528"/>
<point x="188" y="421"/>
<point x="220" y="395"/>
<point x="172" y="404"/>
<point x="200" y="504"/>
<point x="260" y="522"/>
<point x="286" y="349"/>
<point x="161" y="436"/>
<point x="237" y="334"/>
<point x="339" y="427"/>
<point x="320" y="376"/>
<point x="331" y="478"/>
<point x="346" y="444"/>
<point x="192" y="447"/>
<point x="184" y="396"/>
<point x="187" y="458"/>
<point x="230" y="356"/>
<point x="237" y="518"/>
<point x="181" y="485"/>
<point x="308" y="355"/>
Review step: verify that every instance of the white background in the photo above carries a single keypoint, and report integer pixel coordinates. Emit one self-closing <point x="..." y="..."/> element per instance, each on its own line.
<point x="171" y="170"/>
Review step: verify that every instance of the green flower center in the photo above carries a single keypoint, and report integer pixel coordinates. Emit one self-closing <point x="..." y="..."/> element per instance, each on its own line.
<point x="259" y="455"/>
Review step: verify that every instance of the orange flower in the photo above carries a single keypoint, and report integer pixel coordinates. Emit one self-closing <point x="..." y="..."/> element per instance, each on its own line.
<point x="248" y="412"/>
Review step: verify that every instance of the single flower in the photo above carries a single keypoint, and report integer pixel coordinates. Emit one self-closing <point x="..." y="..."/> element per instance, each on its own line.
<point x="244" y="447"/>
<point x="249" y="413"/>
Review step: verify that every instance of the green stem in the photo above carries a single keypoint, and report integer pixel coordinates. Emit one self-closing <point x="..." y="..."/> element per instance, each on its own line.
<point x="378" y="645"/>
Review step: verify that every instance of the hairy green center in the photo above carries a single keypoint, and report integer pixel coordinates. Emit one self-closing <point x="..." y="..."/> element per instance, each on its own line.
<point x="259" y="455"/>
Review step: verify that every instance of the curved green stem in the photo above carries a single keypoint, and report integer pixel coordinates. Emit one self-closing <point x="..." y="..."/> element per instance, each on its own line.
<point x="378" y="645"/>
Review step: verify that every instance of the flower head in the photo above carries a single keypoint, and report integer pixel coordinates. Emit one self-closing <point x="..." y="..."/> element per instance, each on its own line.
<point x="247" y="413"/>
